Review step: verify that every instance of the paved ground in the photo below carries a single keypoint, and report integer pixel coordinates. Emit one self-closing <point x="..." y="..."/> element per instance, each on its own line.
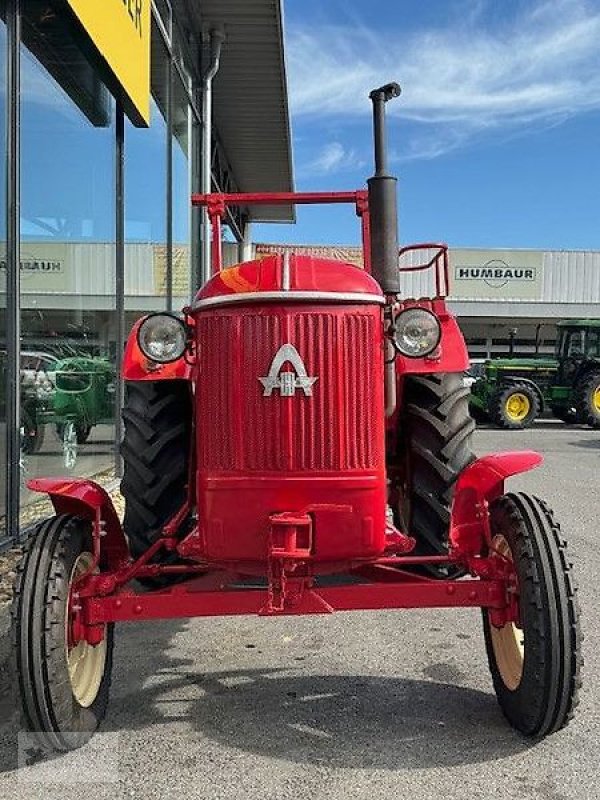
<point x="369" y="705"/>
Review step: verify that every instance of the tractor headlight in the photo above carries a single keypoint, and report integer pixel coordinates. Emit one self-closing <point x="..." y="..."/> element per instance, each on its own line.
<point x="417" y="332"/>
<point x="162" y="338"/>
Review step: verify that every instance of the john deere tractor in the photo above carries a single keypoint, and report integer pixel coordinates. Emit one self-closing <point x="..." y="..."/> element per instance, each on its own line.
<point x="513" y="392"/>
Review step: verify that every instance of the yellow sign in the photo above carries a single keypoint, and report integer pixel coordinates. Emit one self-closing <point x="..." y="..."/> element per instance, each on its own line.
<point x="120" y="31"/>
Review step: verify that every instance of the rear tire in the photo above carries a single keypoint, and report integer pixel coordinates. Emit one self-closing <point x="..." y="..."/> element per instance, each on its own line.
<point x="63" y="692"/>
<point x="587" y="399"/>
<point x="535" y="665"/>
<point x="436" y="445"/>
<point x="155" y="449"/>
<point x="515" y="406"/>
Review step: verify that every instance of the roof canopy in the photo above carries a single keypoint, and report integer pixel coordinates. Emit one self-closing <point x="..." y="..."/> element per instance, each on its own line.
<point x="250" y="101"/>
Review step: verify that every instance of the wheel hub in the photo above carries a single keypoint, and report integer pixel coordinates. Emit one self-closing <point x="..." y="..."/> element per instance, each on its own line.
<point x="508" y="640"/>
<point x="518" y="406"/>
<point x="596" y="399"/>
<point x="86" y="662"/>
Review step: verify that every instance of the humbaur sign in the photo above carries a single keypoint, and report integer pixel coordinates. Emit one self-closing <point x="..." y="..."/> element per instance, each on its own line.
<point x="496" y="273"/>
<point x="287" y="382"/>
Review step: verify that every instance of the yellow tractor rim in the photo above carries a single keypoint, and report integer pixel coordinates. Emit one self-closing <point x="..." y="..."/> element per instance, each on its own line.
<point x="517" y="406"/>
<point x="508" y="641"/>
<point x="596" y="399"/>
<point x="85" y="662"/>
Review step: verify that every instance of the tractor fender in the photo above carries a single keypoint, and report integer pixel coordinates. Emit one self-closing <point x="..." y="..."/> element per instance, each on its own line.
<point x="136" y="367"/>
<point x="478" y="485"/>
<point x="87" y="499"/>
<point x="532" y="385"/>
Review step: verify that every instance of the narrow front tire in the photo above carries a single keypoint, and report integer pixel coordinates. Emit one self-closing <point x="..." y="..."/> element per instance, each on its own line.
<point x="535" y="662"/>
<point x="62" y="684"/>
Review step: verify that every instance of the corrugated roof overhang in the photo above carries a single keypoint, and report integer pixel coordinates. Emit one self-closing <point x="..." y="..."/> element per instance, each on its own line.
<point x="250" y="98"/>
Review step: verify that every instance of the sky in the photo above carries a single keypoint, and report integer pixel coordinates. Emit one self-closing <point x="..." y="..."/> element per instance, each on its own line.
<point x="495" y="139"/>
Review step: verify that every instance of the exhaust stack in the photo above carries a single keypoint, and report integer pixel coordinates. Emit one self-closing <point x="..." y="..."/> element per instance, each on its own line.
<point x="382" y="199"/>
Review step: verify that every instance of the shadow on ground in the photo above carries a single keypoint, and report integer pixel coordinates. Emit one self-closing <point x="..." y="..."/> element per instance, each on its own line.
<point x="588" y="444"/>
<point x="339" y="720"/>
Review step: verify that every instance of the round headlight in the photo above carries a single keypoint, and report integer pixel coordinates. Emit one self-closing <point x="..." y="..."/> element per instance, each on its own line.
<point x="162" y="338"/>
<point x="417" y="332"/>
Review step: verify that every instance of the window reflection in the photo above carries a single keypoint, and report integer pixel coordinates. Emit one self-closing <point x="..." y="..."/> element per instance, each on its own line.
<point x="68" y="344"/>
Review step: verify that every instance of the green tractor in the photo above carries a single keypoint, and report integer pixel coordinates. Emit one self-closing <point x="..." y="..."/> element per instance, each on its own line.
<point x="513" y="392"/>
<point x="84" y="397"/>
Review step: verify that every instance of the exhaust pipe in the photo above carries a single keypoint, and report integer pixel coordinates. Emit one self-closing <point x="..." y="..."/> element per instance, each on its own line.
<point x="382" y="199"/>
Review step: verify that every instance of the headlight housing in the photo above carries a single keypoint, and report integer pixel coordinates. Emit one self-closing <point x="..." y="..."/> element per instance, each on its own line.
<point x="417" y="332"/>
<point x="162" y="338"/>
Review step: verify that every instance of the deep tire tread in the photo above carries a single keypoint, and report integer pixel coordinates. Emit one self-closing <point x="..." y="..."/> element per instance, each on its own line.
<point x="435" y="439"/>
<point x="155" y="451"/>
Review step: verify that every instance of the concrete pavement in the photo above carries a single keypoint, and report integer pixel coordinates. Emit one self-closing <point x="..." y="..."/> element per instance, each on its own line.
<point x="357" y="705"/>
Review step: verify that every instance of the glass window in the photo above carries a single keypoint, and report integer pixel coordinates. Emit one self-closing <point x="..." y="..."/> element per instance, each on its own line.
<point x="181" y="194"/>
<point x="576" y="345"/>
<point x="146" y="195"/>
<point x="593" y="343"/>
<point x="68" y="340"/>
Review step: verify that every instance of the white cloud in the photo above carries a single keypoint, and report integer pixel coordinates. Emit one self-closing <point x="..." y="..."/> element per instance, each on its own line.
<point x="331" y="158"/>
<point x="538" y="67"/>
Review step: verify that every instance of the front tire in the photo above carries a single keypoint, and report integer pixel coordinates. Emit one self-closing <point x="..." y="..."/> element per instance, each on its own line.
<point x="515" y="406"/>
<point x="436" y="445"/>
<point x="535" y="664"/>
<point x="62" y="687"/>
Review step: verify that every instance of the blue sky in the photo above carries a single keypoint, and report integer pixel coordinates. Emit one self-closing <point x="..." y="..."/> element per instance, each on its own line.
<point x="496" y="138"/>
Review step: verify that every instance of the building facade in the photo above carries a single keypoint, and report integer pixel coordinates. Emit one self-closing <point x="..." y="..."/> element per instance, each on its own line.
<point x="101" y="126"/>
<point x="503" y="298"/>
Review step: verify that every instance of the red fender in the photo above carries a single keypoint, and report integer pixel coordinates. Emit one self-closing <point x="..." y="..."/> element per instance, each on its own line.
<point x="478" y="485"/>
<point x="87" y="499"/>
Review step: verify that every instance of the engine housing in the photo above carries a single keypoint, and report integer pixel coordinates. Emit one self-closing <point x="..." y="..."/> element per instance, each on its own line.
<point x="290" y="409"/>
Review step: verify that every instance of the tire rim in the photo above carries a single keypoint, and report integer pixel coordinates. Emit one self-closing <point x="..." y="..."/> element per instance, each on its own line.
<point x="508" y="642"/>
<point x="85" y="662"/>
<point x="596" y="399"/>
<point x="517" y="406"/>
<point x="69" y="445"/>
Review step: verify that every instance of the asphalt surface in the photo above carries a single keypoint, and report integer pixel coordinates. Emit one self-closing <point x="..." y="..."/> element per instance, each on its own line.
<point x="356" y="705"/>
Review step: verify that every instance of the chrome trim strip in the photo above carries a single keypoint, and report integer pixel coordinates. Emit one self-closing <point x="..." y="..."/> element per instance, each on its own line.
<point x="293" y="297"/>
<point x="285" y="272"/>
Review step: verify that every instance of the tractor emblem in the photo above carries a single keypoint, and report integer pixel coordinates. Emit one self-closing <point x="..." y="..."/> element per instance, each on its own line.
<point x="287" y="382"/>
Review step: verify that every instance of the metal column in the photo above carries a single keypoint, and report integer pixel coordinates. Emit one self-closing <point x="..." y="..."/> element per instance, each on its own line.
<point x="13" y="260"/>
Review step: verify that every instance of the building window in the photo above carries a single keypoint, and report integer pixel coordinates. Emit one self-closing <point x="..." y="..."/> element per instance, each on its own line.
<point x="146" y="196"/>
<point x="68" y="347"/>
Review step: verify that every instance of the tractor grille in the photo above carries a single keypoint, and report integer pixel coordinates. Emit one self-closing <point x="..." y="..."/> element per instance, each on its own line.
<point x="335" y="429"/>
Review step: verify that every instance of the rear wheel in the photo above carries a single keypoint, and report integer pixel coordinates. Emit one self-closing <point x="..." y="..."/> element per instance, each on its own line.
<point x="587" y="399"/>
<point x="535" y="662"/>
<point x="62" y="684"/>
<point x="155" y="449"/>
<point x="515" y="406"/>
<point x="436" y="445"/>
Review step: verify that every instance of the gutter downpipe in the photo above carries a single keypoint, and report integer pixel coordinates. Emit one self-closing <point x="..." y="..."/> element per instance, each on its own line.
<point x="216" y="41"/>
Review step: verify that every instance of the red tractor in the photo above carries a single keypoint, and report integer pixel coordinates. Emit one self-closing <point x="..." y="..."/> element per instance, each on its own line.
<point x="301" y="420"/>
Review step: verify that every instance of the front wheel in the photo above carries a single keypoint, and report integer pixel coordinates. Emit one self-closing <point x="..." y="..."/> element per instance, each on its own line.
<point x="62" y="683"/>
<point x="515" y="406"/>
<point x="535" y="662"/>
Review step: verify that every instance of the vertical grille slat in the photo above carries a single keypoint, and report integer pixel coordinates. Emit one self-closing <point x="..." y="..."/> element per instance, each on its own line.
<point x="239" y="429"/>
